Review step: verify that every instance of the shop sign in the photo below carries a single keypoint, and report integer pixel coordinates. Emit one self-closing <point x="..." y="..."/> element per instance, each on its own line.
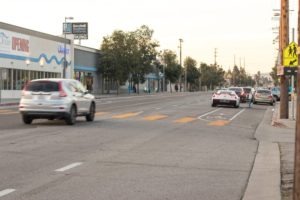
<point x="14" y="42"/>
<point x="61" y="49"/>
<point x="5" y="42"/>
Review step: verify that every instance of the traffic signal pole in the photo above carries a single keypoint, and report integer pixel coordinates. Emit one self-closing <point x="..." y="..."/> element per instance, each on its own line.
<point x="283" y="42"/>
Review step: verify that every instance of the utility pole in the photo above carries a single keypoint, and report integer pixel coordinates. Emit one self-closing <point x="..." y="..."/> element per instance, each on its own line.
<point x="296" y="192"/>
<point x="180" y="57"/>
<point x="283" y="42"/>
<point x="215" y="55"/>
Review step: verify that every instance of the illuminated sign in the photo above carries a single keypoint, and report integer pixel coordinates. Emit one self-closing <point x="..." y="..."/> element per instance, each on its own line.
<point x="20" y="44"/>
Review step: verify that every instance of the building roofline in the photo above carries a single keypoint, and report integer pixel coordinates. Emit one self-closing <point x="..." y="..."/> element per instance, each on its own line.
<point x="84" y="48"/>
<point x="26" y="31"/>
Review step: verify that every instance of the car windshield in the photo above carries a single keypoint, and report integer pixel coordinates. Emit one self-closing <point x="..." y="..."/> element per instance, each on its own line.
<point x="236" y="89"/>
<point x="224" y="92"/>
<point x="42" y="86"/>
<point x="248" y="90"/>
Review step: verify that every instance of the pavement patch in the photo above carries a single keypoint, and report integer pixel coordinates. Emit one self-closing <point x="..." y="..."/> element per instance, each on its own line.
<point x="155" y="117"/>
<point x="185" y="120"/>
<point x="101" y="113"/>
<point x="126" y="115"/>
<point x="219" y="123"/>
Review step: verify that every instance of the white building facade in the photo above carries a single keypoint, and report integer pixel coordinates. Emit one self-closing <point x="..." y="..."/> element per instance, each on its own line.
<point x="27" y="55"/>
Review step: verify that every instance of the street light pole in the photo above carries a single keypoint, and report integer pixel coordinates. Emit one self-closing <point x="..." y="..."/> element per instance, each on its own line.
<point x="164" y="78"/>
<point x="65" y="63"/>
<point x="180" y="47"/>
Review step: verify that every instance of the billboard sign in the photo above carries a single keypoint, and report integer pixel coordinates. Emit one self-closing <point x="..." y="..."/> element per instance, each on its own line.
<point x="67" y="28"/>
<point x="80" y="30"/>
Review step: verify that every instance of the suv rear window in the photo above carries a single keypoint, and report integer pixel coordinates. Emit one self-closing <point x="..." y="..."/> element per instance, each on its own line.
<point x="42" y="86"/>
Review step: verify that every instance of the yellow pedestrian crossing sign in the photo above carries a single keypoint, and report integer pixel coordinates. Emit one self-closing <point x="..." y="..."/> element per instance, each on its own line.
<point x="290" y="56"/>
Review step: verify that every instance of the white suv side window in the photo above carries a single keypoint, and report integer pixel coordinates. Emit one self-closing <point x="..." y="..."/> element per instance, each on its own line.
<point x="80" y="87"/>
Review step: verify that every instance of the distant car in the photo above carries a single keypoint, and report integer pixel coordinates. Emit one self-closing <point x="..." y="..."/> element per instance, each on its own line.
<point x="225" y="97"/>
<point x="276" y="93"/>
<point x="56" y="99"/>
<point x="240" y="92"/>
<point x="263" y="96"/>
<point x="247" y="91"/>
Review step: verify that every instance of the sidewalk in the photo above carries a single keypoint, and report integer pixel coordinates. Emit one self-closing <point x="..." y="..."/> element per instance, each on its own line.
<point x="272" y="174"/>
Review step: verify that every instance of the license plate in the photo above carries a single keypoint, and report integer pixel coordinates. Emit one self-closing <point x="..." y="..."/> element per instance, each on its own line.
<point x="224" y="101"/>
<point x="41" y="97"/>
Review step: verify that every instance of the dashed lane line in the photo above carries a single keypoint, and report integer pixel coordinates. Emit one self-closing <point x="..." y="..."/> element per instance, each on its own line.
<point x="6" y="192"/>
<point x="68" y="167"/>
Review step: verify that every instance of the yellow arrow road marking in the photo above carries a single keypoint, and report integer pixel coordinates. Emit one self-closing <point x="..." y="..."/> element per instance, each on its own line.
<point x="219" y="123"/>
<point x="185" y="120"/>
<point x="126" y="115"/>
<point x="155" y="117"/>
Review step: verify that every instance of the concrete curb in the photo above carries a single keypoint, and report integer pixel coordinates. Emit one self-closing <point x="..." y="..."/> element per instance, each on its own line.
<point x="264" y="180"/>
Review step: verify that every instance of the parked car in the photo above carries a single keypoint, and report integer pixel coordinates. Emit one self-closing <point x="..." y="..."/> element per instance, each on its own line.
<point x="263" y="96"/>
<point x="56" y="99"/>
<point x="240" y="92"/>
<point x="225" y="97"/>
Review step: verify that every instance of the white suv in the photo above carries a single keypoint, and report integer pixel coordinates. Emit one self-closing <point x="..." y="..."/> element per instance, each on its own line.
<point x="56" y="99"/>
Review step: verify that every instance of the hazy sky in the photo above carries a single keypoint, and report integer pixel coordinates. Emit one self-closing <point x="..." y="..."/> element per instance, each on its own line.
<point x="235" y="27"/>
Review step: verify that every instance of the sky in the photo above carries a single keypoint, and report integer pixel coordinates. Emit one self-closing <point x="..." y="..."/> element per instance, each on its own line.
<point x="240" y="29"/>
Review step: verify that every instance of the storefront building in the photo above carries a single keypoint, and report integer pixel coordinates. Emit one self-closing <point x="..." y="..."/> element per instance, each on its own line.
<point x="86" y="68"/>
<point x="27" y="55"/>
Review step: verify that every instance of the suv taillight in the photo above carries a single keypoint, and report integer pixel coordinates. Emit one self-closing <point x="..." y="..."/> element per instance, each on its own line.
<point x="62" y="93"/>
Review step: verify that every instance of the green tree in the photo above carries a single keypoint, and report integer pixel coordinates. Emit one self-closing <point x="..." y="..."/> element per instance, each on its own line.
<point x="172" y="68"/>
<point x="274" y="76"/>
<point x="192" y="73"/>
<point x="128" y="55"/>
<point x="258" y="79"/>
<point x="113" y="58"/>
<point x="144" y="52"/>
<point x="211" y="76"/>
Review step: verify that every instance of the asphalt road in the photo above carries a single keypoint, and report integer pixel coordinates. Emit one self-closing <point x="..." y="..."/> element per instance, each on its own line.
<point x="170" y="146"/>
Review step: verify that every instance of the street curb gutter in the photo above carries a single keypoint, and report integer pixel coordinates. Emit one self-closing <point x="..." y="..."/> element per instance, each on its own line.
<point x="264" y="181"/>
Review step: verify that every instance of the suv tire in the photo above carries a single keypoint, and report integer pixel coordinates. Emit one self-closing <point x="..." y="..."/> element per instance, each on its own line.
<point x="26" y="119"/>
<point x="90" y="117"/>
<point x="71" y="118"/>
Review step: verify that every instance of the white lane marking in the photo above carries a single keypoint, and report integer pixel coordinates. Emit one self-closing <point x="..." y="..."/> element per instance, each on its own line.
<point x="68" y="167"/>
<point x="6" y="192"/>
<point x="237" y="114"/>
<point x="200" y="117"/>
